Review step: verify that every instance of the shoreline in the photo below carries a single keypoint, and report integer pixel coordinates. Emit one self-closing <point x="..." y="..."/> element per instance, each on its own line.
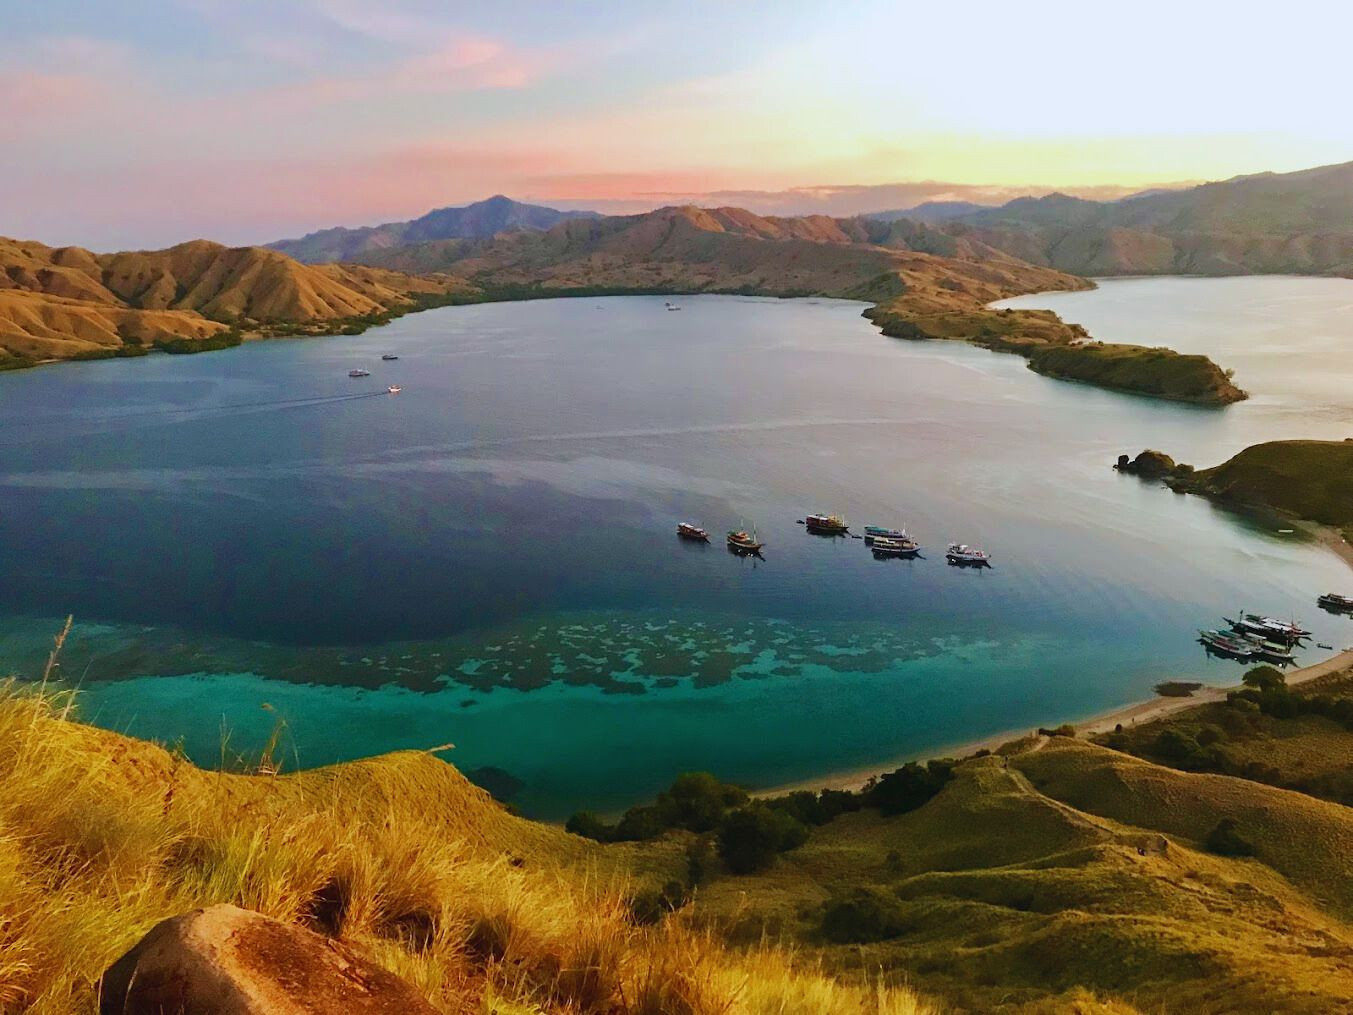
<point x="1144" y="711"/>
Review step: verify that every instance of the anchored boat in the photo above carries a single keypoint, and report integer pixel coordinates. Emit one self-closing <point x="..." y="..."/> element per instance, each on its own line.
<point x="1271" y="651"/>
<point x="873" y="532"/>
<point x="963" y="555"/>
<point x="1226" y="644"/>
<point x="389" y="356"/>
<point x="1337" y="603"/>
<point x="359" y="373"/>
<point x="692" y="532"/>
<point x="894" y="547"/>
<point x="744" y="542"/>
<point x="1268" y="627"/>
<point x="826" y="525"/>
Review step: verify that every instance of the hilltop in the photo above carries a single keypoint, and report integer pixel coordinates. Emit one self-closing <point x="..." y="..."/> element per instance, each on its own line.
<point x="399" y="857"/>
<point x="481" y="219"/>
<point x="1269" y="223"/>
<point x="1054" y="875"/>
<point x="69" y="303"/>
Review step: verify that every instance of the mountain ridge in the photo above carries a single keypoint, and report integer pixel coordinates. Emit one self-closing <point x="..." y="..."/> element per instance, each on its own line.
<point x="476" y="220"/>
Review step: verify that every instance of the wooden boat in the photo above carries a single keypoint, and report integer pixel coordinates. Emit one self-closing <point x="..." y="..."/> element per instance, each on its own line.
<point x="894" y="547"/>
<point x="963" y="555"/>
<point x="1267" y="627"/>
<point x="743" y="542"/>
<point x="826" y="525"/>
<point x="1337" y="603"/>
<point x="1270" y="651"/>
<point x="873" y="532"/>
<point x="359" y="373"/>
<point x="389" y="356"/>
<point x="692" y="532"/>
<point x="1226" y="644"/>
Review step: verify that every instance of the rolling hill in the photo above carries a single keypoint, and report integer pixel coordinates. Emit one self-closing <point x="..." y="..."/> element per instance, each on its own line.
<point x="480" y="219"/>
<point x="69" y="303"/>
<point x="1273" y="223"/>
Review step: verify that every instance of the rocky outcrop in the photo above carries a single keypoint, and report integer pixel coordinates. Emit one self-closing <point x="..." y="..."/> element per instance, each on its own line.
<point x="229" y="961"/>
<point x="1149" y="465"/>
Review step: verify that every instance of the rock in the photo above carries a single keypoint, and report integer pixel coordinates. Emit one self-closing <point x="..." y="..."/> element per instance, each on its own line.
<point x="229" y="961"/>
<point x="1149" y="465"/>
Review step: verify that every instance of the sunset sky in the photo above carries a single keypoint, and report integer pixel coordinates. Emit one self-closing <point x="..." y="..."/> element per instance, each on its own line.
<point x="152" y="121"/>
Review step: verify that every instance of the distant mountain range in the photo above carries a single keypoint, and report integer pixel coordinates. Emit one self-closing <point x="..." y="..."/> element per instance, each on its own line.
<point x="472" y="221"/>
<point x="1270" y="223"/>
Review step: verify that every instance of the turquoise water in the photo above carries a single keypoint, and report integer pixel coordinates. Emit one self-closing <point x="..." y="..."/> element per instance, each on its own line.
<point x="488" y="558"/>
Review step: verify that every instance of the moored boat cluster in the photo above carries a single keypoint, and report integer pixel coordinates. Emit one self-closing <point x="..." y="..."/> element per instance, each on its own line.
<point x="884" y="542"/>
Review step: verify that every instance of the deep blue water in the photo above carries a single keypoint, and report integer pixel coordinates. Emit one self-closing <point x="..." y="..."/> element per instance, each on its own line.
<point x="488" y="558"/>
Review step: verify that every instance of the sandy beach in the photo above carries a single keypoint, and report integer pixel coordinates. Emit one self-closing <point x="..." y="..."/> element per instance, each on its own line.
<point x="1128" y="715"/>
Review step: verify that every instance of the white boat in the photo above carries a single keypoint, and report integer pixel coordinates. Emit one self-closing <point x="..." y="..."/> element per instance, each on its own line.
<point x="394" y="389"/>
<point x="967" y="556"/>
<point x="359" y="373"/>
<point x="884" y="547"/>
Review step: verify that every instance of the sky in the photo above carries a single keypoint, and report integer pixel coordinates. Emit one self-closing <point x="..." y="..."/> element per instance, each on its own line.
<point x="147" y="122"/>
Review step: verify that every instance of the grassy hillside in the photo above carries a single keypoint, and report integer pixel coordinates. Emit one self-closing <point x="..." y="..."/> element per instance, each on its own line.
<point x="1062" y="876"/>
<point x="1312" y="480"/>
<point x="1301" y="740"/>
<point x="68" y="303"/>
<point x="102" y="836"/>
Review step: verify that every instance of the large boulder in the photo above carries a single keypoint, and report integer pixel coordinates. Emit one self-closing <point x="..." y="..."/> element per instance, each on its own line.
<point x="228" y="961"/>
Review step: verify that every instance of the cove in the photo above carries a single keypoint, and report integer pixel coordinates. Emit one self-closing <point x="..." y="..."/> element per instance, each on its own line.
<point x="488" y="558"/>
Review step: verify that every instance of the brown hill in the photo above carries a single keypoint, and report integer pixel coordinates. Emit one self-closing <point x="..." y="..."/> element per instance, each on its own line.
<point x="66" y="302"/>
<point x="1275" y="223"/>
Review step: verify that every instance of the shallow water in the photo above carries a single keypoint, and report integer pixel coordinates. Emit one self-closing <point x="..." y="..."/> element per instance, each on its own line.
<point x="488" y="558"/>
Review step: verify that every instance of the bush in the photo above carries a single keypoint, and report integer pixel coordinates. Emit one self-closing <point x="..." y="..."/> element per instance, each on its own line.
<point x="589" y="826"/>
<point x="697" y="801"/>
<point x="1226" y="840"/>
<point x="908" y="787"/>
<point x="750" y="837"/>
<point x="1265" y="678"/>
<point x="650" y="907"/>
<point x="863" y="916"/>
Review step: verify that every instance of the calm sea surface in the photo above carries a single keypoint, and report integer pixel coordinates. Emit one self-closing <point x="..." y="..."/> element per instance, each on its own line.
<point x="488" y="558"/>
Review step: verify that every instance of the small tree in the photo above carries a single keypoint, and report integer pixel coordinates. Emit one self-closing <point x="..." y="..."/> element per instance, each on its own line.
<point x="1226" y="840"/>
<point x="750" y="837"/>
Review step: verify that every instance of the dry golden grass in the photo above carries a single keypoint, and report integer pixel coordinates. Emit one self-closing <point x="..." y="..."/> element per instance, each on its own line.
<point x="102" y="836"/>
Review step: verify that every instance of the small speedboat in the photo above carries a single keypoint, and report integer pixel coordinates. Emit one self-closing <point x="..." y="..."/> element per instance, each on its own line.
<point x="744" y="542"/>
<point x="1337" y="603"/>
<point x="826" y="525"/>
<point x="692" y="532"/>
<point x="1226" y="644"/>
<point x="873" y="532"/>
<point x="359" y="373"/>
<point x="963" y="555"/>
<point x="894" y="547"/>
<point x="389" y="356"/>
<point x="394" y="389"/>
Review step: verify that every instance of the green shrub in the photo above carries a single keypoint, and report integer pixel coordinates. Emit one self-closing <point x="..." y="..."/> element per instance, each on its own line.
<point x="750" y="837"/>
<point x="908" y="787"/>
<point x="863" y="916"/>
<point x="1226" y="840"/>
